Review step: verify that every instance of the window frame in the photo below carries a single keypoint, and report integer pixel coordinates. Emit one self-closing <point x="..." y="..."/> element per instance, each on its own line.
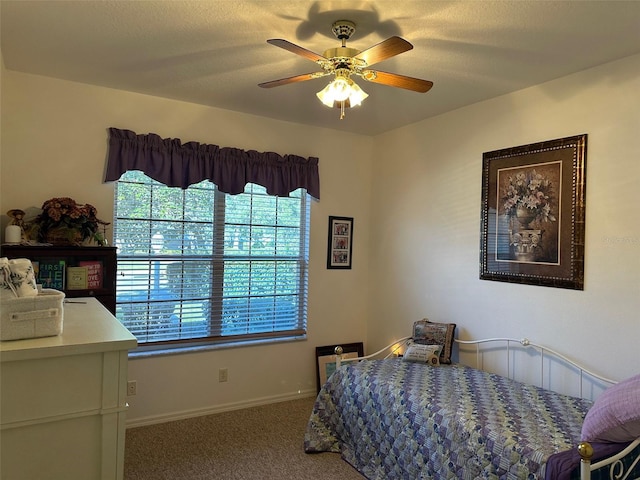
<point x="219" y="260"/>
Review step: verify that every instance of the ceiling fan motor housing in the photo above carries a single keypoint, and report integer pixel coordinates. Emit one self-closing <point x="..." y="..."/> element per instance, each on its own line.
<point x="344" y="52"/>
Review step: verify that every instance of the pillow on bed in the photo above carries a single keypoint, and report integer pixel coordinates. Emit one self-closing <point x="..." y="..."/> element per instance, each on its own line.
<point x="615" y="415"/>
<point x="431" y="333"/>
<point x="429" y="354"/>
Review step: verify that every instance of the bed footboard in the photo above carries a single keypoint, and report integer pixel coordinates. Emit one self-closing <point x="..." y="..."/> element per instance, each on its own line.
<point x="618" y="468"/>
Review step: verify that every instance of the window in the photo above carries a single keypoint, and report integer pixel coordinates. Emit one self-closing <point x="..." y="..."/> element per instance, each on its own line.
<point x="198" y="265"/>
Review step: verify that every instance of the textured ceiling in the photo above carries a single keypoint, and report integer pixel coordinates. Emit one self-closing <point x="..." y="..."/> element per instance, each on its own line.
<point x="215" y="52"/>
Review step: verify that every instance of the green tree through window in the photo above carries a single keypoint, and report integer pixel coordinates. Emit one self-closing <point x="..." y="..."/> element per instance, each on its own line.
<point x="198" y="265"/>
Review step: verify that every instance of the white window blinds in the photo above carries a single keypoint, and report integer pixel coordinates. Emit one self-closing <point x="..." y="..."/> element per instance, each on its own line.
<point x="200" y="265"/>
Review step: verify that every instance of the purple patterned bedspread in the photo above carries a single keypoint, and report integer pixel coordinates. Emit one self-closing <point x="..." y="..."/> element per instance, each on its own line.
<point x="399" y="420"/>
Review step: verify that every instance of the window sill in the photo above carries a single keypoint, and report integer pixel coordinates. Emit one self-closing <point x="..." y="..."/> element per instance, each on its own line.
<point x="147" y="351"/>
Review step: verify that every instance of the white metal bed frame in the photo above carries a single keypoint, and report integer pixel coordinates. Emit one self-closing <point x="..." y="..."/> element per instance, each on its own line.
<point x="617" y="470"/>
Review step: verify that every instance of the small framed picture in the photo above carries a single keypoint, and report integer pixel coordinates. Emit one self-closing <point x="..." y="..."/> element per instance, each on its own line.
<point x="326" y="359"/>
<point x="340" y="242"/>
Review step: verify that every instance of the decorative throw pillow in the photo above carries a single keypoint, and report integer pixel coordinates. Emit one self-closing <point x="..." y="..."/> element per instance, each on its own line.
<point x="428" y="354"/>
<point x="615" y="415"/>
<point x="432" y="333"/>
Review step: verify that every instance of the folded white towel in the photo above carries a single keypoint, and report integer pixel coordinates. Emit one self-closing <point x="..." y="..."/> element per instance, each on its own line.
<point x="23" y="277"/>
<point x="6" y="285"/>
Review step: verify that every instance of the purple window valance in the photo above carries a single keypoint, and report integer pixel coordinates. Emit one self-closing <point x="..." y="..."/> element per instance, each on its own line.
<point x="175" y="164"/>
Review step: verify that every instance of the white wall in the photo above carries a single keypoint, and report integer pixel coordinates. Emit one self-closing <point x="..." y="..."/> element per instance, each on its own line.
<point x="54" y="144"/>
<point x="425" y="227"/>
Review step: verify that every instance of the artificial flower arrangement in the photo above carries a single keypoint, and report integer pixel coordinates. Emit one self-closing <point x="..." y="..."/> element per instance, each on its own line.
<point x="529" y="194"/>
<point x="63" y="220"/>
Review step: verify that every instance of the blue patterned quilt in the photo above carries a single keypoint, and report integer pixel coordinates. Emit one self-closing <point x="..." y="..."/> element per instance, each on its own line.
<point x="392" y="419"/>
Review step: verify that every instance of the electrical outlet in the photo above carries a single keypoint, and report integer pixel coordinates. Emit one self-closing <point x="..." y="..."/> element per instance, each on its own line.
<point x="131" y="388"/>
<point x="223" y="375"/>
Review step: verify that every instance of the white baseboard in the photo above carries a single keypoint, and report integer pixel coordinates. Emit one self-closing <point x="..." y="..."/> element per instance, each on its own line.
<point x="227" y="407"/>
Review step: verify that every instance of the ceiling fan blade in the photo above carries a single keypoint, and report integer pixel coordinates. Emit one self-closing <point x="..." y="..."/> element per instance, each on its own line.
<point x="297" y="78"/>
<point x="293" y="48"/>
<point x="395" y="80"/>
<point x="386" y="49"/>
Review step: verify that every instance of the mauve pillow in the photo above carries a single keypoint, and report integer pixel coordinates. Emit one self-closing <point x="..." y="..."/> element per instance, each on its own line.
<point x="615" y="415"/>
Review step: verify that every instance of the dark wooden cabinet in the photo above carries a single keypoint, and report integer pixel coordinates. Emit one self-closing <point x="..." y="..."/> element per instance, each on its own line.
<point x="77" y="271"/>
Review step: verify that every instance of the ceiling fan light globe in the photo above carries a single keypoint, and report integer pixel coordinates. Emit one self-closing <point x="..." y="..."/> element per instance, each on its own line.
<point x="338" y="90"/>
<point x="357" y="95"/>
<point x="325" y="96"/>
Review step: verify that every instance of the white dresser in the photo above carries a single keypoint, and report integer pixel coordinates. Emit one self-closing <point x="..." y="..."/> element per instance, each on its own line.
<point x="63" y="399"/>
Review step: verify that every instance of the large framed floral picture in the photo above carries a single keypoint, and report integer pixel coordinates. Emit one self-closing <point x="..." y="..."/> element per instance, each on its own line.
<point x="533" y="213"/>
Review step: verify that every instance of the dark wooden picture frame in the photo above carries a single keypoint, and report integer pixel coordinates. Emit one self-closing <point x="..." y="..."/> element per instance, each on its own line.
<point x="340" y="242"/>
<point x="326" y="359"/>
<point x="533" y="213"/>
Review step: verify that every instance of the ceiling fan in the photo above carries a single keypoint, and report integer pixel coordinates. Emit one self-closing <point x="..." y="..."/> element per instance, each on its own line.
<point x="344" y="62"/>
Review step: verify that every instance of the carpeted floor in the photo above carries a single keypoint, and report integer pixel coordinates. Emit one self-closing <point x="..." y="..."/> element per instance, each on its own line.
<point x="259" y="443"/>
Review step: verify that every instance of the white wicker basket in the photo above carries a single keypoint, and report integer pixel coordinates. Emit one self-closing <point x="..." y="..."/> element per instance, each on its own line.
<point x="31" y="317"/>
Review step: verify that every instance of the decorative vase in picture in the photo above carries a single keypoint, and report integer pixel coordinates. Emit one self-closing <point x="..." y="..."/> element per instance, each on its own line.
<point x="524" y="240"/>
<point x="525" y="216"/>
<point x="63" y="221"/>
